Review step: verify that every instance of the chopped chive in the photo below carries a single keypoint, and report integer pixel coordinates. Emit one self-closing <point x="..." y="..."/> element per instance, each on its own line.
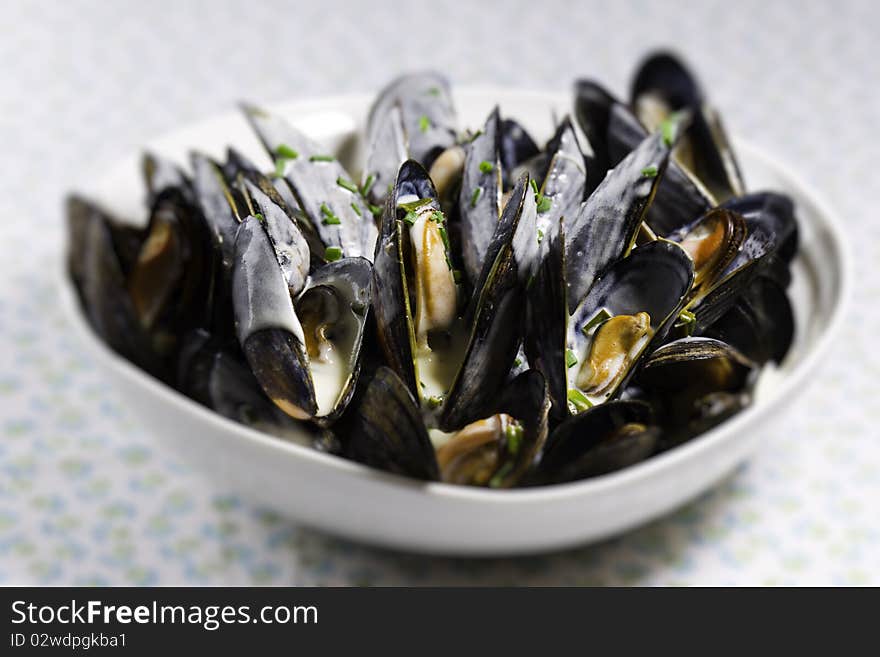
<point x="578" y="401"/>
<point x="498" y="478"/>
<point x="544" y="204"/>
<point x="597" y="319"/>
<point x="486" y="167"/>
<point x="517" y="362"/>
<point x="514" y="434"/>
<point x="357" y="210"/>
<point x="433" y="91"/>
<point x="444" y="236"/>
<point x="422" y="383"/>
<point x="668" y="129"/>
<point x="435" y="401"/>
<point x="321" y="158"/>
<point x="540" y="235"/>
<point x="424" y="123"/>
<point x="410" y="218"/>
<point x="259" y="216"/>
<point x="535" y="186"/>
<point x="332" y="253"/>
<point x="286" y="152"/>
<point x="570" y="359"/>
<point x="476" y="134"/>
<point x="280" y="167"/>
<point x="375" y="209"/>
<point x="456" y="275"/>
<point x="650" y="172"/>
<point x="347" y="184"/>
<point x="415" y="205"/>
<point x="368" y="184"/>
<point x="329" y="219"/>
<point x="476" y="196"/>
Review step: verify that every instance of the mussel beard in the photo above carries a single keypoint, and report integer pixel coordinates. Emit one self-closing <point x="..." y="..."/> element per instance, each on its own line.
<point x="615" y="346"/>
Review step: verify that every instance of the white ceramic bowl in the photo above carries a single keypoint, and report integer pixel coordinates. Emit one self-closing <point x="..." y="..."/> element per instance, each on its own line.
<point x="348" y="499"/>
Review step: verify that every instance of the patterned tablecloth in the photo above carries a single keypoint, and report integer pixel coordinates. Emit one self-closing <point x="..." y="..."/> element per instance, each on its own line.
<point x="86" y="497"/>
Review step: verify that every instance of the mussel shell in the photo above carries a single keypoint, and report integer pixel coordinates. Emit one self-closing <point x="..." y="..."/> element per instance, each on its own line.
<point x="161" y="174"/>
<point x="735" y="231"/>
<point x="516" y="147"/>
<point x="564" y="180"/>
<point x="773" y="212"/>
<point x="479" y="202"/>
<point x="501" y="463"/>
<point x="390" y="295"/>
<point x="592" y="110"/>
<point x="100" y="281"/>
<point x="665" y="79"/>
<point x="427" y="114"/>
<point x="496" y="312"/>
<point x="760" y="324"/>
<point x="595" y="442"/>
<point x="388" y="431"/>
<point x="695" y="383"/>
<point x="655" y="278"/>
<point x="337" y="214"/>
<point x="173" y="280"/>
<point x="605" y="226"/>
<point x="215" y="199"/>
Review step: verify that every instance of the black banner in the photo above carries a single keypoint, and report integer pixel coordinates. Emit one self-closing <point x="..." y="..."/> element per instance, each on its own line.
<point x="326" y="621"/>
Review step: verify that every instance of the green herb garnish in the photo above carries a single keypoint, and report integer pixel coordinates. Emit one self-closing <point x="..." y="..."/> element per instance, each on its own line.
<point x="486" y="167"/>
<point x="368" y="185"/>
<point x="357" y="210"/>
<point x="410" y="218"/>
<point x="650" y="172"/>
<point x="375" y="209"/>
<point x="321" y="158"/>
<point x="668" y="129"/>
<point x="286" y="152"/>
<point x="424" y="123"/>
<point x="577" y="401"/>
<point x="534" y="185"/>
<point x="259" y="216"/>
<point x="328" y="218"/>
<point x="435" y="401"/>
<point x="598" y="318"/>
<point x="433" y="91"/>
<point x="570" y="359"/>
<point x="514" y="434"/>
<point x="476" y="196"/>
<point x="415" y="205"/>
<point x="280" y="167"/>
<point x="498" y="478"/>
<point x="332" y="253"/>
<point x="347" y="184"/>
<point x="540" y="235"/>
<point x="544" y="204"/>
<point x="517" y="362"/>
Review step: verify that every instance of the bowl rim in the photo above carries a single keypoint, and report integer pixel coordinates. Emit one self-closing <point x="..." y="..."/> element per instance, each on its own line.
<point x="654" y="466"/>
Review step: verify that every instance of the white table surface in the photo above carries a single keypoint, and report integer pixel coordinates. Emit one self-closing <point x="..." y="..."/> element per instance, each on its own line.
<point x="85" y="494"/>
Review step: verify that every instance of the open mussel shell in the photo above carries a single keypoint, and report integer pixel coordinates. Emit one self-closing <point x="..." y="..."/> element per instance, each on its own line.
<point x="516" y="147"/>
<point x="563" y="180"/>
<point x="604" y="228"/>
<point x="479" y="202"/>
<point x="99" y="273"/>
<point x="663" y="85"/>
<point x="614" y="131"/>
<point x="695" y="383"/>
<point x="306" y="358"/>
<point x="713" y="241"/>
<point x="760" y="324"/>
<point x="388" y="431"/>
<point x="626" y="313"/>
<point x="773" y="212"/>
<point x="172" y="281"/>
<point x="324" y="191"/>
<point x="494" y="315"/>
<point x="604" y="439"/>
<point x="426" y="114"/>
<point x="500" y="448"/>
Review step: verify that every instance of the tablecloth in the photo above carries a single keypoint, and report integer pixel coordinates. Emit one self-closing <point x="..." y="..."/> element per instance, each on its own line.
<point x="86" y="495"/>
